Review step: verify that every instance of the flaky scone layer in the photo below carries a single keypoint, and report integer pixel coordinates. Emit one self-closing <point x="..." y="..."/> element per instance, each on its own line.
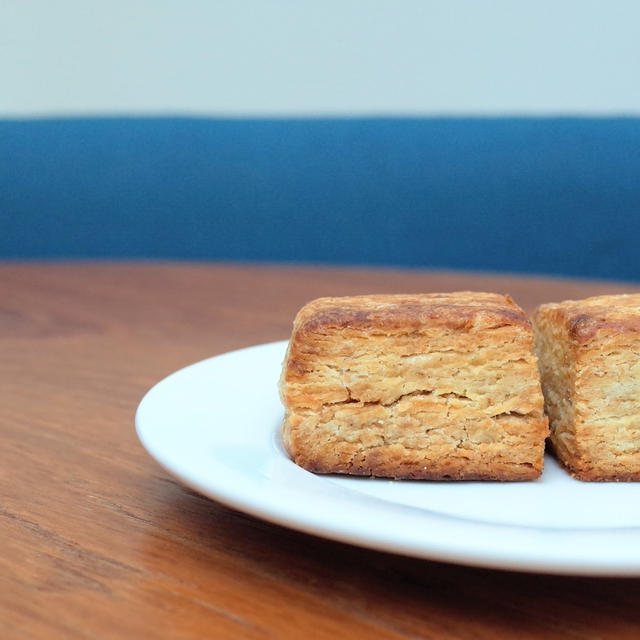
<point x="589" y="358"/>
<point x="414" y="386"/>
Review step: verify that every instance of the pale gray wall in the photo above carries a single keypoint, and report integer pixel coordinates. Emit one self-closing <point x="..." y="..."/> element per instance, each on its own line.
<point x="328" y="57"/>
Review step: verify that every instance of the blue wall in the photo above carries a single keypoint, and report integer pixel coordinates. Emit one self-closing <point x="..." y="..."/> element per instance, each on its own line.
<point x="549" y="195"/>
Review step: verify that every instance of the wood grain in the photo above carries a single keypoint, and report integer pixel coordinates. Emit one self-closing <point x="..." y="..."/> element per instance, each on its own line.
<point x="98" y="542"/>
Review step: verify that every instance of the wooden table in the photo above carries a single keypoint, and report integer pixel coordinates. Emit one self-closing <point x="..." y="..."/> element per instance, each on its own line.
<point x="99" y="542"/>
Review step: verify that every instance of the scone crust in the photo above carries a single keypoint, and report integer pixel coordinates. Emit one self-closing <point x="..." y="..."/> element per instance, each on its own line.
<point x="460" y="310"/>
<point x="596" y="432"/>
<point x="332" y="330"/>
<point x="599" y="316"/>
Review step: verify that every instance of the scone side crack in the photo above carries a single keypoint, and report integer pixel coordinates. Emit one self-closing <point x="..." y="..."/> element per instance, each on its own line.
<point x="369" y="403"/>
<point x="343" y="373"/>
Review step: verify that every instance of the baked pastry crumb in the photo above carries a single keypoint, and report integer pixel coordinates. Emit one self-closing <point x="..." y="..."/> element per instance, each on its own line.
<point x="589" y="358"/>
<point x="432" y="386"/>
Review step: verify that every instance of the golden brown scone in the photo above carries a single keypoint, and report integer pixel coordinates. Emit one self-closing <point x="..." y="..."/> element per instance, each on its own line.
<point x="437" y="386"/>
<point x="589" y="358"/>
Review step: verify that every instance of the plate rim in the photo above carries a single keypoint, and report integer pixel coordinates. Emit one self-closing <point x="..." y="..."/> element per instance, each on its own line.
<point x="241" y="496"/>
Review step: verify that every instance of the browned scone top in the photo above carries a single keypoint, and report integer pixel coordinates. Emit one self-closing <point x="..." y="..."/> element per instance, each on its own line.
<point x="420" y="386"/>
<point x="589" y="359"/>
<point x="397" y="312"/>
<point x="602" y="315"/>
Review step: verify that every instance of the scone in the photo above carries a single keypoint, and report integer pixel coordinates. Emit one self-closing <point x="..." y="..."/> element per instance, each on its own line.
<point x="434" y="386"/>
<point x="589" y="358"/>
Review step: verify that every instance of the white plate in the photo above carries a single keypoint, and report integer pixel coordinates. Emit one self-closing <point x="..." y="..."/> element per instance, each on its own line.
<point x="214" y="425"/>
